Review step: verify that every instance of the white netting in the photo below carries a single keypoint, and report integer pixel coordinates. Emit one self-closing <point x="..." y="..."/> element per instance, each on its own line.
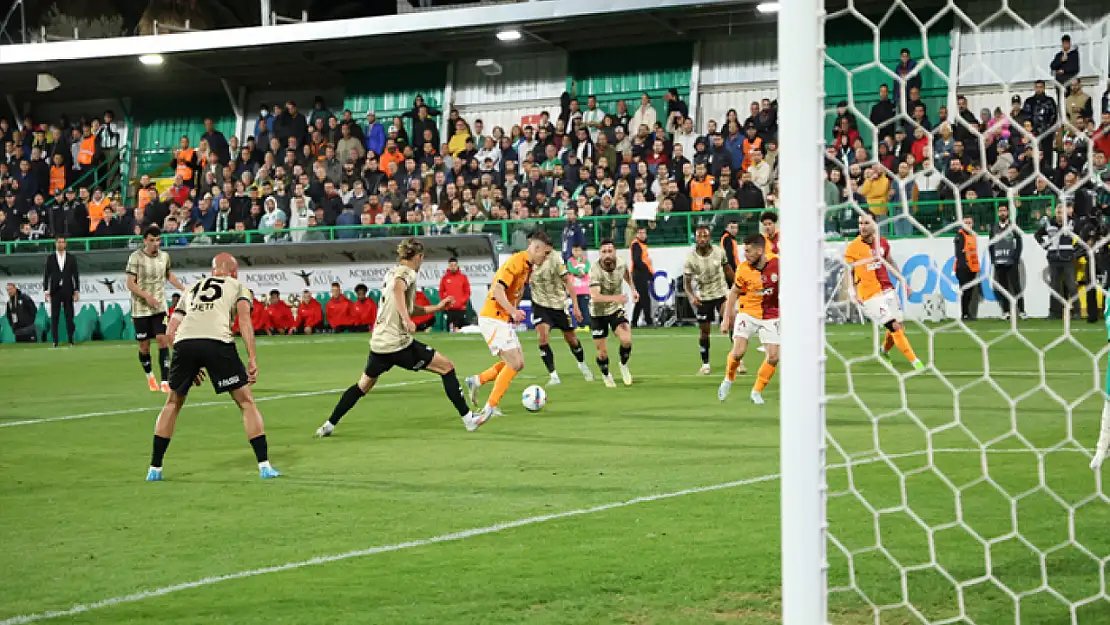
<point x="961" y="493"/>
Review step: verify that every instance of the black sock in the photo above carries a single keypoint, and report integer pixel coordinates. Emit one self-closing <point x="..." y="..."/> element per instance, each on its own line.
<point x="548" y="358"/>
<point x="626" y="352"/>
<point x="161" y="444"/>
<point x="579" y="353"/>
<point x="703" y="343"/>
<point x="258" y="444"/>
<point x="346" y="402"/>
<point x="164" y="362"/>
<point x="603" y="364"/>
<point x="144" y="360"/>
<point x="454" y="392"/>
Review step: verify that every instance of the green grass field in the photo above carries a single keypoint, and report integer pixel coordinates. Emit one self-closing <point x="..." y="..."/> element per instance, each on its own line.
<point x="561" y="536"/>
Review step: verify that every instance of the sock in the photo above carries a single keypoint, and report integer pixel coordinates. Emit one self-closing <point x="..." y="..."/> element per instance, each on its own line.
<point x="731" y="367"/>
<point x="164" y="362"/>
<point x="548" y="358"/>
<point x="489" y="375"/>
<point x="626" y="353"/>
<point x="258" y="444"/>
<point x="144" y="360"/>
<point x="454" y="392"/>
<point x="903" y="344"/>
<point x="703" y="347"/>
<point x="766" y="372"/>
<point x="161" y="444"/>
<point x="501" y="385"/>
<point x="579" y="353"/>
<point x="346" y="402"/>
<point x="603" y="364"/>
<point x="888" y="341"/>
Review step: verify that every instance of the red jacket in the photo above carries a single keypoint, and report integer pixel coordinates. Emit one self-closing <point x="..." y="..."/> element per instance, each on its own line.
<point x="279" y="317"/>
<point x="259" y="319"/>
<point x="338" y="311"/>
<point x="455" y="284"/>
<point x="422" y="300"/>
<point x="363" y="312"/>
<point x="310" y="314"/>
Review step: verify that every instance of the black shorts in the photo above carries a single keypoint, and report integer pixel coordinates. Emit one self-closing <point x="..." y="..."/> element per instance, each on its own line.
<point x="416" y="357"/>
<point x="150" y="326"/>
<point x="553" y="317"/>
<point x="709" y="310"/>
<point x="601" y="324"/>
<point x="219" y="359"/>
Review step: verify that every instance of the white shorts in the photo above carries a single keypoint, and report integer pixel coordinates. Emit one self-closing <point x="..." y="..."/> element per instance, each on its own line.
<point x="746" y="326"/>
<point x="499" y="335"/>
<point x="883" y="308"/>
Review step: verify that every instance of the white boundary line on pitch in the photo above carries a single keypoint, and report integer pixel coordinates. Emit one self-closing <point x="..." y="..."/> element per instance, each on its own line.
<point x="107" y="413"/>
<point x="445" y="538"/>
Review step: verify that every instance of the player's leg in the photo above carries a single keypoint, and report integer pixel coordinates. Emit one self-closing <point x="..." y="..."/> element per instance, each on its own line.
<point x="255" y="428"/>
<point x="543" y="336"/>
<point x="578" y="352"/>
<point x="599" y="330"/>
<point x="1102" y="449"/>
<point x="735" y="359"/>
<point x="513" y="357"/>
<point x="500" y="338"/>
<point x="898" y="337"/>
<point x="376" y="365"/>
<point x="144" y="354"/>
<point x="443" y="366"/>
<point x="183" y="375"/>
<point x="163" y="341"/>
<point x="703" y="345"/>
<point x="769" y="336"/>
<point x="623" y="331"/>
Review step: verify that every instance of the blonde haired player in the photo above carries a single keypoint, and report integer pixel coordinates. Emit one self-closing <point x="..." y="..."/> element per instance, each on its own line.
<point x="869" y="255"/>
<point x="756" y="292"/>
<point x="496" y="320"/>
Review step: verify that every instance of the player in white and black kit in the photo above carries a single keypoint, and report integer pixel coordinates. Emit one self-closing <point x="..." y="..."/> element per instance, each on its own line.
<point x="607" y="301"/>
<point x="552" y="286"/>
<point x="202" y="342"/>
<point x="148" y="269"/>
<point x="392" y="344"/>
<point x="708" y="268"/>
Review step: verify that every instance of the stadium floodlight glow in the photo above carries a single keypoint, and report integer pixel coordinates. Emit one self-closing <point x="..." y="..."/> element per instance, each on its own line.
<point x="509" y="34"/>
<point x="152" y="59"/>
<point x="768" y="7"/>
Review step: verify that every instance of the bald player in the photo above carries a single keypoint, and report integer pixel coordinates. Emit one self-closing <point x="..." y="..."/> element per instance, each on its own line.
<point x="202" y="341"/>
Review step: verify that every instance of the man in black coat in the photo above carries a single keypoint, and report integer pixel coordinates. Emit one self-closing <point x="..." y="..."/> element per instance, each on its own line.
<point x="21" y="314"/>
<point x="61" y="282"/>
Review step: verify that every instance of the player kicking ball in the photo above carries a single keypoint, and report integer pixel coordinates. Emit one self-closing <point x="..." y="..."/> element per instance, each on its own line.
<point x="392" y="344"/>
<point x="869" y="256"/>
<point x="552" y="285"/>
<point x="148" y="270"/>
<point x="496" y="320"/>
<point x="202" y="341"/>
<point x="756" y="291"/>
<point x="607" y="302"/>
<point x="708" y="270"/>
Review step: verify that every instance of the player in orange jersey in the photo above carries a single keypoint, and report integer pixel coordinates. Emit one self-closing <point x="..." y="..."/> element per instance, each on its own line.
<point x="756" y="290"/>
<point x="497" y="318"/>
<point x="770" y="222"/>
<point x="868" y="256"/>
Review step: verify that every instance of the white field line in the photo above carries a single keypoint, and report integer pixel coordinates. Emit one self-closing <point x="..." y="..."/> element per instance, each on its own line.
<point x="442" y="538"/>
<point x="106" y="413"/>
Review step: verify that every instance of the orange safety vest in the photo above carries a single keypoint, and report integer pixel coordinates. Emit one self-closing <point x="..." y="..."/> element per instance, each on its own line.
<point x="146" y="196"/>
<point x="57" y="179"/>
<point x="971" y="251"/>
<point x="643" y="253"/>
<point x="185" y="163"/>
<point x="88" y="150"/>
<point x="729" y="241"/>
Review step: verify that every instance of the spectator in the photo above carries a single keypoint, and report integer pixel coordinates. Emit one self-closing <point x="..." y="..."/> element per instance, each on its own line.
<point x="1065" y="63"/>
<point x="573" y="234"/>
<point x="1056" y="236"/>
<point x="454" y="283"/>
<point x="279" y="317"/>
<point x="677" y="111"/>
<point x="1005" y="251"/>
<point x="643" y="274"/>
<point x="363" y="311"/>
<point x="338" y="309"/>
<point x="346" y="223"/>
<point x="645" y="116"/>
<point x="876" y="189"/>
<point x="21" y="311"/>
<point x="1077" y="105"/>
<point x="967" y="267"/>
<point x="760" y="171"/>
<point x="905" y="67"/>
<point x="310" y="315"/>
<point x="349" y="149"/>
<point x="216" y="140"/>
<point x="882" y="112"/>
<point x="904" y="194"/>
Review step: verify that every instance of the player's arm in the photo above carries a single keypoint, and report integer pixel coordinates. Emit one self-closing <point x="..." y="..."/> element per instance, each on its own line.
<point x="596" y="296"/>
<point x="175" y="320"/>
<point x="688" y="286"/>
<point x="246" y="330"/>
<point x="889" y="260"/>
<point x="419" y="310"/>
<point x="399" y="288"/>
<point x="628" y="281"/>
<point x="730" y="307"/>
<point x="175" y="281"/>
<point x="497" y="292"/>
<point x="133" y="286"/>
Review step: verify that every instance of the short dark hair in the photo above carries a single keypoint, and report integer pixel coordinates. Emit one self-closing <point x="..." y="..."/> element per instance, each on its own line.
<point x="606" y="241"/>
<point x="1066" y="38"/>
<point x="772" y="215"/>
<point x="335" y="284"/>
<point x="152" y="231"/>
<point x="755" y="240"/>
<point x="275" y="292"/>
<point x="541" y="236"/>
<point x="702" y="226"/>
<point x="904" y="51"/>
<point x="361" y="288"/>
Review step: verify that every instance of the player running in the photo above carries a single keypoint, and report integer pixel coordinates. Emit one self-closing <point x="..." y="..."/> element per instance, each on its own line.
<point x="392" y="344"/>
<point x="607" y="301"/>
<point x="496" y="321"/>
<point x="552" y="284"/>
<point x="148" y="269"/>
<point x="707" y="266"/>
<point x="756" y="288"/>
<point x="869" y="256"/>
<point x="201" y="335"/>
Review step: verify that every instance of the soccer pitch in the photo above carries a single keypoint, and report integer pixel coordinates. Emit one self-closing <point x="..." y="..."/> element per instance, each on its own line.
<point x="650" y="505"/>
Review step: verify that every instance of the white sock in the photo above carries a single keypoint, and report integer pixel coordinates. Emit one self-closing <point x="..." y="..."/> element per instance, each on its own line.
<point x="265" y="464"/>
<point x="158" y="469"/>
<point x="1104" y="429"/>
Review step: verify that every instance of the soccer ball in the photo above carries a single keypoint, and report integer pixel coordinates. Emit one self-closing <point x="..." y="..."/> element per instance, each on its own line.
<point x="534" y="398"/>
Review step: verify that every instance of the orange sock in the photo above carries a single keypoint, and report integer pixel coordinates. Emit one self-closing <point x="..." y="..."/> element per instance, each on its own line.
<point x="888" y="341"/>
<point x="489" y="375"/>
<point x="731" y="367"/>
<point x="504" y="378"/>
<point x="903" y="344"/>
<point x="766" y="372"/>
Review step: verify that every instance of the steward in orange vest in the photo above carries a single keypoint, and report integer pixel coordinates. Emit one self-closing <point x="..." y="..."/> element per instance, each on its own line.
<point x="58" y="173"/>
<point x="86" y="156"/>
<point x="185" y="162"/>
<point x="642" y="275"/>
<point x="967" y="267"/>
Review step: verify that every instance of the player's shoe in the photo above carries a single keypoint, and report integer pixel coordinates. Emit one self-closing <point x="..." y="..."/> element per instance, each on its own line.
<point x="165" y="387"/>
<point x="1005" y="316"/>
<point x="723" y="389"/>
<point x="1102" y="449"/>
<point x="325" y="430"/>
<point x="267" y="472"/>
<point x="554" y="379"/>
<point x="1022" y="315"/>
<point x="473" y="420"/>
<point x="705" y="370"/>
<point x="608" y="379"/>
<point x="154" y="474"/>
<point x="472" y="384"/>
<point x="741" y="368"/>
<point x="757" y="398"/>
<point x="495" y="411"/>
<point x="918" y="365"/>
<point x="586" y="373"/>
<point x="626" y="375"/>
<point x="885" y="353"/>
<point x="152" y="383"/>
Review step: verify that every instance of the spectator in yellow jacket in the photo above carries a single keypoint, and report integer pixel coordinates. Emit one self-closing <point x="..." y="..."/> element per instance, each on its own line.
<point x="876" y="187"/>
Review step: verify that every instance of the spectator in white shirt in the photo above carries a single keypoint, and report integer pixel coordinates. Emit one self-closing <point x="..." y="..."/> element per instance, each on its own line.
<point x="489" y="150"/>
<point x="760" y="171"/>
<point x="593" y="117"/>
<point x="686" y="137"/>
<point x="645" y="115"/>
<point x="928" y="180"/>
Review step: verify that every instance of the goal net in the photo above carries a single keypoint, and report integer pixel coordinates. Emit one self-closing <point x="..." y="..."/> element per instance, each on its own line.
<point x="958" y="492"/>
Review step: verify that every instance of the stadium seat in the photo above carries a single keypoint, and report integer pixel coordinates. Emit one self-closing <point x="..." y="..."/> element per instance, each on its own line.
<point x="128" y="333"/>
<point x="6" y="333"/>
<point x="111" y="323"/>
<point x="84" y="323"/>
<point x="42" y="322"/>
